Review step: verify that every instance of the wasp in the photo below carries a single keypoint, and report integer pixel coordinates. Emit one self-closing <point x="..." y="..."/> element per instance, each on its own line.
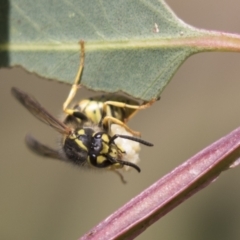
<point x="88" y="137"/>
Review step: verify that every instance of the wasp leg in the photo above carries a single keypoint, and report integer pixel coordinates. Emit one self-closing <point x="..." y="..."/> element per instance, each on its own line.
<point x="124" y="105"/>
<point x="120" y="175"/>
<point x="106" y="123"/>
<point x="76" y="83"/>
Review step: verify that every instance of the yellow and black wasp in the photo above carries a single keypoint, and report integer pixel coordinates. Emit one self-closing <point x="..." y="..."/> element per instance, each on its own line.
<point x="88" y="136"/>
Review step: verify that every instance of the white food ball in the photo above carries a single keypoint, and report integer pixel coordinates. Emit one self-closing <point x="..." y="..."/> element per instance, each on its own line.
<point x="131" y="148"/>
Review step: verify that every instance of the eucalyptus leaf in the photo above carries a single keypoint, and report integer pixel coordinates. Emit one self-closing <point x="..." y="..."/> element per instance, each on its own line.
<point x="134" y="46"/>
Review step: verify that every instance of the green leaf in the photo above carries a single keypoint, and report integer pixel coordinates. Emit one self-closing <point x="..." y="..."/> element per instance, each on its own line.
<point x="132" y="46"/>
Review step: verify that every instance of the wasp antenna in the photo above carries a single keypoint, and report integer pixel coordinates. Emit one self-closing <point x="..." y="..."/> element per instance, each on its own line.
<point x="125" y="163"/>
<point x="129" y="164"/>
<point x="135" y="139"/>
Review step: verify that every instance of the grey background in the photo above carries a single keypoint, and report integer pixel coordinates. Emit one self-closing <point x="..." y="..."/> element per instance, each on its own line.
<point x="44" y="199"/>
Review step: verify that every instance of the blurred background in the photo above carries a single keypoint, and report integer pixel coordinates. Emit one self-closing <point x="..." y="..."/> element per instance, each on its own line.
<point x="44" y="199"/>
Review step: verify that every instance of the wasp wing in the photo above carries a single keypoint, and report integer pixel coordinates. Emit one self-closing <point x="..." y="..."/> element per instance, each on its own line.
<point x="34" y="107"/>
<point x="41" y="149"/>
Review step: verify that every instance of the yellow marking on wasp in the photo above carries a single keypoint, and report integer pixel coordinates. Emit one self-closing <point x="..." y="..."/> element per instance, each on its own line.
<point x="91" y="110"/>
<point x="69" y="111"/>
<point x="105" y="148"/>
<point x="113" y="152"/>
<point x="105" y="138"/>
<point x="100" y="159"/>
<point x="80" y="144"/>
<point x="81" y="132"/>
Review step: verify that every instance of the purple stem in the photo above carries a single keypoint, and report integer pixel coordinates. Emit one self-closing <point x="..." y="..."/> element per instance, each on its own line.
<point x="168" y="192"/>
